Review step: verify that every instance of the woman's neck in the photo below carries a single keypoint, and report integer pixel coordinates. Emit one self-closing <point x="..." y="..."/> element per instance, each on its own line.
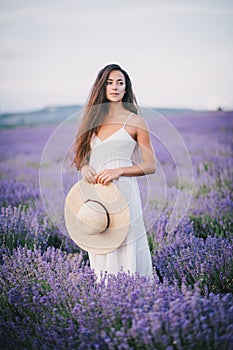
<point x="115" y="108"/>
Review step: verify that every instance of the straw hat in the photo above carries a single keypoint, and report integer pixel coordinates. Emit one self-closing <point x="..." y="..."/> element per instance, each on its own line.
<point x="96" y="216"/>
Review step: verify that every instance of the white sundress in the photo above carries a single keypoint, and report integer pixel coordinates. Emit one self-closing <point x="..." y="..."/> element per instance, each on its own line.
<point x="133" y="254"/>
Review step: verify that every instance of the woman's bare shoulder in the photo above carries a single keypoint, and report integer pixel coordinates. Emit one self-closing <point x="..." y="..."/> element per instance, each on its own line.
<point x="138" y="121"/>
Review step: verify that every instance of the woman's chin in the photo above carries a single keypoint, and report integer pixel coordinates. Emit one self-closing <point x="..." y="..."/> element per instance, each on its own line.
<point x="114" y="99"/>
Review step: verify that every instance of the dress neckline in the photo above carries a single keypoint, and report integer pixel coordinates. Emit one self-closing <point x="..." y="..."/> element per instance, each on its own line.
<point x="114" y="133"/>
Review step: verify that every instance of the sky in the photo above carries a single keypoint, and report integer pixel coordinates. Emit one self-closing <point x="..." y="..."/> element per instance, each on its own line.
<point x="178" y="53"/>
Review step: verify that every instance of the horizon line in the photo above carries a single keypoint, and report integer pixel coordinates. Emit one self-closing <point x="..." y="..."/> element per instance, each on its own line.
<point x="56" y="106"/>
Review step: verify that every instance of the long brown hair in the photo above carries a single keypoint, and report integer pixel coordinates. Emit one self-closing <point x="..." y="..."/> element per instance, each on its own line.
<point x="95" y="110"/>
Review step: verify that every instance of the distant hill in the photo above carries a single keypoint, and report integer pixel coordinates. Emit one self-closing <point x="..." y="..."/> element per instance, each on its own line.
<point x="55" y="115"/>
<point x="48" y="115"/>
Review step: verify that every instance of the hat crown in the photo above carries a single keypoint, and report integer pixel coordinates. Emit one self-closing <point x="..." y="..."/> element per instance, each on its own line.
<point x="93" y="217"/>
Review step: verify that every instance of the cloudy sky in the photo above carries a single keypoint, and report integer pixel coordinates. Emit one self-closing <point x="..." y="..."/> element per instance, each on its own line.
<point x="178" y="53"/>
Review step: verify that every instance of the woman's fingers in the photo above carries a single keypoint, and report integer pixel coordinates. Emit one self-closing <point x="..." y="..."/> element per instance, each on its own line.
<point x="88" y="174"/>
<point x="92" y="172"/>
<point x="90" y="179"/>
<point x="107" y="175"/>
<point x="103" y="178"/>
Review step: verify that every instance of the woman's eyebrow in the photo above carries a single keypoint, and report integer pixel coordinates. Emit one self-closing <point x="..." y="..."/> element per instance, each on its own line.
<point x="120" y="79"/>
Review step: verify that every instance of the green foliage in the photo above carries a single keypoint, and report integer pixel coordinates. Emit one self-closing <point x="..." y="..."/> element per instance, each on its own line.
<point x="205" y="226"/>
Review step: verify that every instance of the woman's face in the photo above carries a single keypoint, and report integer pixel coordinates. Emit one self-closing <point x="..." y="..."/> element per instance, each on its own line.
<point x="115" y="86"/>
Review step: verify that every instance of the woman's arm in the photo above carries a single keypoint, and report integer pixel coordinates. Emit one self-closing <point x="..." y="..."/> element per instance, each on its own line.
<point x="148" y="164"/>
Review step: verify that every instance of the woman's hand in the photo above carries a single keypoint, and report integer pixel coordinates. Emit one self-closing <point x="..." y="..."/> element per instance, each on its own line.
<point x="107" y="175"/>
<point x="88" y="173"/>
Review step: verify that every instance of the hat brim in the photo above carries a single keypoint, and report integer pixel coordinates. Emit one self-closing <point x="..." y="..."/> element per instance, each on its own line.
<point x="111" y="197"/>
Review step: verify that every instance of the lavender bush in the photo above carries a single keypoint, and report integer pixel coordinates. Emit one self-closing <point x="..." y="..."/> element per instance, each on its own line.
<point x="24" y="226"/>
<point x="192" y="260"/>
<point x="213" y="214"/>
<point x="51" y="299"/>
<point x="16" y="192"/>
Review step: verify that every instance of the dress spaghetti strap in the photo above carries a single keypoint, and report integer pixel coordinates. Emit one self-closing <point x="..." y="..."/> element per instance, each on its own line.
<point x="127" y="119"/>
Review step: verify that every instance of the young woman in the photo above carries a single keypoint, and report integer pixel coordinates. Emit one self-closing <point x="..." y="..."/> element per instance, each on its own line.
<point x="109" y="133"/>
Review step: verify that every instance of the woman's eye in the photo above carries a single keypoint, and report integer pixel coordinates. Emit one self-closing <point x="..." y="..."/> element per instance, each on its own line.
<point x="119" y="82"/>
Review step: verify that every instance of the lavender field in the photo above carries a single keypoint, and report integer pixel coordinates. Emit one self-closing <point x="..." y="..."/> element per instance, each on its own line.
<point x="50" y="298"/>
